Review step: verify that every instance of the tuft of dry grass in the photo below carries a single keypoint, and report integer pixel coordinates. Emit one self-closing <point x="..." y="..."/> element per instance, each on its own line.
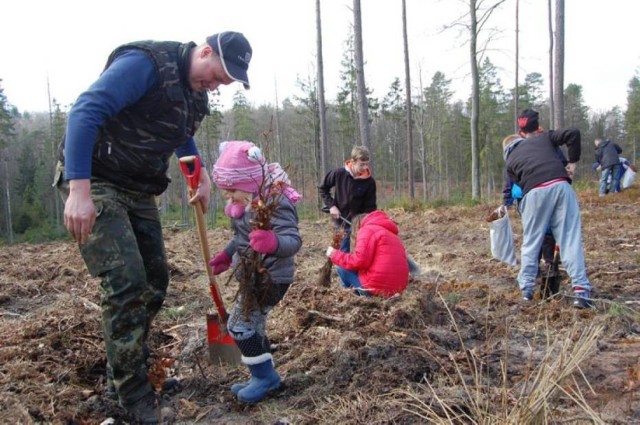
<point x="554" y="376"/>
<point x="358" y="408"/>
<point x="475" y="400"/>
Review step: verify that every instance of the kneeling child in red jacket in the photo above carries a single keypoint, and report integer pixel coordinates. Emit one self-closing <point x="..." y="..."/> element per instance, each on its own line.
<point x="378" y="264"/>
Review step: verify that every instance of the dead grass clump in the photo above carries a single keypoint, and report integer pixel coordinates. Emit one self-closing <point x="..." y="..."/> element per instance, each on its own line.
<point x="532" y="401"/>
<point x="358" y="408"/>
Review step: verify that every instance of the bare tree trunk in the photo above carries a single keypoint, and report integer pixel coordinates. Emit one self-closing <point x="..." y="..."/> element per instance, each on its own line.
<point x="56" y="199"/>
<point x="443" y="178"/>
<point x="278" y="135"/>
<point x="516" y="92"/>
<point x="363" y="109"/>
<point x="412" y="193"/>
<point x="474" y="29"/>
<point x="324" y="144"/>
<point x="489" y="175"/>
<point x="552" y="105"/>
<point x="558" y="77"/>
<point x="397" y="172"/>
<point x="422" y="153"/>
<point x="436" y="182"/>
<point x="317" y="143"/>
<point x="8" y="203"/>
<point x="475" y="103"/>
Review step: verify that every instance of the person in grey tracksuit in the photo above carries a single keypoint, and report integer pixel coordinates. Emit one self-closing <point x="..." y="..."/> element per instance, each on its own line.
<point x="548" y="201"/>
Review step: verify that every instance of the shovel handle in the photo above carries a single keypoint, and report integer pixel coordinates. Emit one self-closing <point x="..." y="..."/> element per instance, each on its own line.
<point x="190" y="167"/>
<point x="204" y="249"/>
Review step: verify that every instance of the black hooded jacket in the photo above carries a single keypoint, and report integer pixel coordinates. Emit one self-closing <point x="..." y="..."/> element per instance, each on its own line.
<point x="534" y="160"/>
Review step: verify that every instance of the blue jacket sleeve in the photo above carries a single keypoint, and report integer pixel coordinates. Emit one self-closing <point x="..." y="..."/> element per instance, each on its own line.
<point x="125" y="82"/>
<point x="187" y="149"/>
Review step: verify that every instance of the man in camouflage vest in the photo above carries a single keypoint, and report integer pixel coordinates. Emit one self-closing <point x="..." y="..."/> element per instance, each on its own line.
<point x="145" y="107"/>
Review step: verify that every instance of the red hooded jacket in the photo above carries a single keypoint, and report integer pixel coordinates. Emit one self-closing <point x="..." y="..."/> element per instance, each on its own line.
<point x="379" y="256"/>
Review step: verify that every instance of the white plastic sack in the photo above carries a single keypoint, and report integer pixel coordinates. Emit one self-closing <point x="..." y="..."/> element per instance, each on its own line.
<point x="502" y="246"/>
<point x="627" y="178"/>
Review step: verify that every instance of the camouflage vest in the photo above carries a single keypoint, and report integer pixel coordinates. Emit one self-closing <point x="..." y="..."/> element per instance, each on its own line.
<point x="134" y="148"/>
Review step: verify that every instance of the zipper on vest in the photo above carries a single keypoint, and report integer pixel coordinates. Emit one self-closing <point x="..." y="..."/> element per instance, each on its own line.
<point x="108" y="148"/>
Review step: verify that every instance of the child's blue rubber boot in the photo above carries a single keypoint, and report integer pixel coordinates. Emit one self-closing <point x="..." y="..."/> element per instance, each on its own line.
<point x="264" y="378"/>
<point x="235" y="388"/>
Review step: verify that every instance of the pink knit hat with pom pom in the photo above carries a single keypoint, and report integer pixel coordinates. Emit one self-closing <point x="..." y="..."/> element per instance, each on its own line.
<point x="240" y="166"/>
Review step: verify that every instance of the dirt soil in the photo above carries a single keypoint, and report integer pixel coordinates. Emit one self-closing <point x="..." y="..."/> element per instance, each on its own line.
<point x="459" y="331"/>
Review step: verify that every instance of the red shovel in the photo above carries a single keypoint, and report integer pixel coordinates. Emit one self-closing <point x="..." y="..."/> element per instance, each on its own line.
<point x="222" y="347"/>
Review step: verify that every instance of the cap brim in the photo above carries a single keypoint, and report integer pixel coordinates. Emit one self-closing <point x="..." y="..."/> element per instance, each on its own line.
<point x="236" y="73"/>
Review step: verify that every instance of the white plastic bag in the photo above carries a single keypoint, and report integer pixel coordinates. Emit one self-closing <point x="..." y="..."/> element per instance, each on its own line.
<point x="627" y="178"/>
<point x="502" y="246"/>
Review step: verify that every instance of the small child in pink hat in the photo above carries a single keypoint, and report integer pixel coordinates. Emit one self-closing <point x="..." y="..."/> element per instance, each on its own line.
<point x="245" y="178"/>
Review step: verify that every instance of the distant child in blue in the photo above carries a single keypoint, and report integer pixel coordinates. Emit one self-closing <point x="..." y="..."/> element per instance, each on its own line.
<point x="512" y="193"/>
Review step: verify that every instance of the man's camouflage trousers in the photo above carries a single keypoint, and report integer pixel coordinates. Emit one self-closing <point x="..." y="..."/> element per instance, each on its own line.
<point x="126" y="250"/>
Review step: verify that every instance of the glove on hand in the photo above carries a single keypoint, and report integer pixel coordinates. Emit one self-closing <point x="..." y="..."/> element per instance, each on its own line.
<point x="329" y="251"/>
<point x="220" y="262"/>
<point x="263" y="241"/>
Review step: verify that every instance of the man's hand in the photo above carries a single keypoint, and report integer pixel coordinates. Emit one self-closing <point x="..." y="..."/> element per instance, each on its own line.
<point x="497" y="213"/>
<point x="329" y="251"/>
<point x="334" y="212"/>
<point x="79" y="210"/>
<point x="571" y="170"/>
<point x="203" y="193"/>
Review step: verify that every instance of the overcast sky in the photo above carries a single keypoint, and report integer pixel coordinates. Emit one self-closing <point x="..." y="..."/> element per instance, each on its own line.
<point x="67" y="43"/>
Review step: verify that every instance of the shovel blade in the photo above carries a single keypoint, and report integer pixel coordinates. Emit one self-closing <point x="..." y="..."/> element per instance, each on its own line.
<point x="222" y="347"/>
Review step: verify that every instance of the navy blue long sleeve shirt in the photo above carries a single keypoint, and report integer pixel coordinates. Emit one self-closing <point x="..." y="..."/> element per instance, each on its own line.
<point x="122" y="84"/>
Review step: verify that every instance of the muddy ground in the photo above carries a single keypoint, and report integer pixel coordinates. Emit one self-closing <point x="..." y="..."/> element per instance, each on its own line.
<point x="458" y="334"/>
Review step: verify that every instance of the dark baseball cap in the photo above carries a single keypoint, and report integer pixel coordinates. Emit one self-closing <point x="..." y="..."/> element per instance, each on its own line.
<point x="235" y="52"/>
<point x="528" y="121"/>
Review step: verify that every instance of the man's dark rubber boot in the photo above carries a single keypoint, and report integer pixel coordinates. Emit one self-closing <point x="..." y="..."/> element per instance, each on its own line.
<point x="146" y="410"/>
